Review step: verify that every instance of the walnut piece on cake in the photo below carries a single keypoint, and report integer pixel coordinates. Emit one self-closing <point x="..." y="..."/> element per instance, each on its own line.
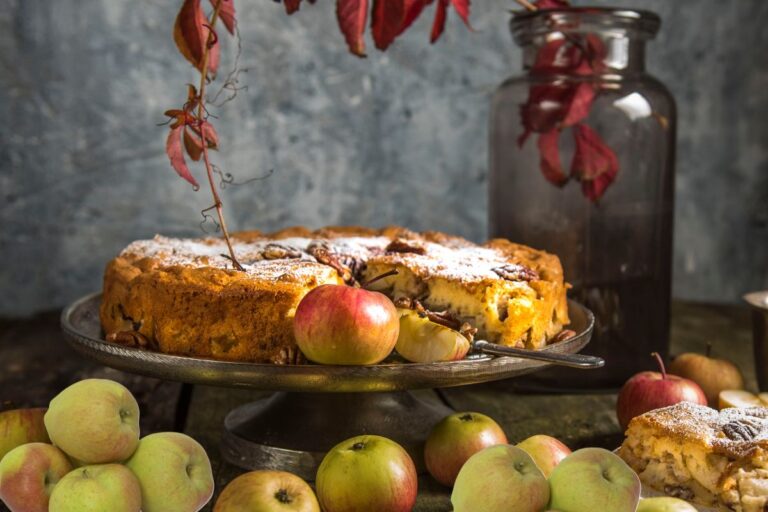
<point x="183" y="297"/>
<point x="716" y="459"/>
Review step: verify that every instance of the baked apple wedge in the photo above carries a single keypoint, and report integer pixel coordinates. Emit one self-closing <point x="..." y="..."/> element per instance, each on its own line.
<point x="423" y="341"/>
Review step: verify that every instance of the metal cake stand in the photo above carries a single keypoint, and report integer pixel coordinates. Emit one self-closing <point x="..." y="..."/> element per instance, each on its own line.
<point x="314" y="406"/>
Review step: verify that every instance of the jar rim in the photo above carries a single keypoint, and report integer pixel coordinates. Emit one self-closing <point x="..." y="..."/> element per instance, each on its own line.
<point x="526" y="24"/>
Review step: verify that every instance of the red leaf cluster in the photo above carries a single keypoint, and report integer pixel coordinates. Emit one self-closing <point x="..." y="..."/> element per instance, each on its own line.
<point x="557" y="105"/>
<point x="194" y="34"/>
<point x="389" y="19"/>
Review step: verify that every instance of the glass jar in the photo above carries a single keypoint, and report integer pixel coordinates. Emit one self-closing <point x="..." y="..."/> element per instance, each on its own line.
<point x="581" y="165"/>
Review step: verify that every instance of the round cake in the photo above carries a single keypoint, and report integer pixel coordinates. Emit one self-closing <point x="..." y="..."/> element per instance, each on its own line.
<point x="182" y="296"/>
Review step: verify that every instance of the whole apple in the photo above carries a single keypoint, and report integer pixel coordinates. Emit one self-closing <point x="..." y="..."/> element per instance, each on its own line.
<point x="173" y="471"/>
<point x="500" y="478"/>
<point x="647" y="391"/>
<point x="455" y="439"/>
<point x="267" y="491"/>
<point x="21" y="426"/>
<point x="97" y="488"/>
<point x="94" y="421"/>
<point x="664" y="504"/>
<point x="28" y="474"/>
<point x="546" y="452"/>
<point x="344" y="325"/>
<point x="594" y="479"/>
<point x="712" y="375"/>
<point x="370" y="473"/>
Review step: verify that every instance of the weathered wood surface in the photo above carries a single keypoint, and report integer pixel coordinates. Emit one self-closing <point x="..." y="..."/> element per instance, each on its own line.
<point x="35" y="364"/>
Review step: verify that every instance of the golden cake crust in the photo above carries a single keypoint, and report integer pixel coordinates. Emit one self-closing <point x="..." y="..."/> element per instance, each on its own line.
<point x="181" y="296"/>
<point x="714" y="458"/>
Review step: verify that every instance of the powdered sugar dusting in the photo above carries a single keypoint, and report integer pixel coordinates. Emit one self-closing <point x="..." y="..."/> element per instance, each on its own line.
<point x="735" y="432"/>
<point x="466" y="263"/>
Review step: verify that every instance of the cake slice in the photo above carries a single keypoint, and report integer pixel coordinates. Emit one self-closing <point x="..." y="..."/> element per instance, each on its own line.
<point x="716" y="459"/>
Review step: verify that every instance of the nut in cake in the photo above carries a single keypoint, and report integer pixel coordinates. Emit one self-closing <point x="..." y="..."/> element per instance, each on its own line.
<point x="716" y="459"/>
<point x="181" y="296"/>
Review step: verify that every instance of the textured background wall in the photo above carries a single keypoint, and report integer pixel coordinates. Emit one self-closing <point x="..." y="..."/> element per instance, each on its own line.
<point x="397" y="138"/>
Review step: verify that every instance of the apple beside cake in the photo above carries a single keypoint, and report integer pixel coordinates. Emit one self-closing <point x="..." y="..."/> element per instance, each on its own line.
<point x="716" y="459"/>
<point x="181" y="296"/>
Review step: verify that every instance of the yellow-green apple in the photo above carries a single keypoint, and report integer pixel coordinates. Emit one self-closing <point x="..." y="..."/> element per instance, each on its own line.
<point x="97" y="488"/>
<point x="173" y="471"/>
<point x="345" y="325"/>
<point x="664" y="504"/>
<point x="712" y="375"/>
<point x="499" y="478"/>
<point x="370" y="473"/>
<point x="94" y="421"/>
<point x="455" y="439"/>
<point x="267" y="491"/>
<point x="28" y="474"/>
<point x="21" y="426"/>
<point x="647" y="391"/>
<point x="593" y="479"/>
<point x="423" y="341"/>
<point x="546" y="452"/>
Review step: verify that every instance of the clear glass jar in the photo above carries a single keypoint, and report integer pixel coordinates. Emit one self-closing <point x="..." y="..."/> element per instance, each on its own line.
<point x="581" y="165"/>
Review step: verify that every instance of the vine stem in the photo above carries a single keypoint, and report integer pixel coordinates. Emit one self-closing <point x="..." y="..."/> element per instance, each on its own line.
<point x="200" y="112"/>
<point x="528" y="5"/>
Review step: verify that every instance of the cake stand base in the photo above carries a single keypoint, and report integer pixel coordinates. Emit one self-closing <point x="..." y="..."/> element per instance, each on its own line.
<point x="293" y="431"/>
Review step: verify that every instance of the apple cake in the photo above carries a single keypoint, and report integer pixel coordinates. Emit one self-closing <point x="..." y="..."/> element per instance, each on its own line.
<point x="182" y="296"/>
<point x="715" y="459"/>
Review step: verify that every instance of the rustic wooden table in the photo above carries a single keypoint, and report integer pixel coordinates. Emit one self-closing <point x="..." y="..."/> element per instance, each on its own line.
<point x="36" y="363"/>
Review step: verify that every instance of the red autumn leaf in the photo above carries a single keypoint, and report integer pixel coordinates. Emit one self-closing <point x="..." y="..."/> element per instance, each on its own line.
<point x="191" y="33"/>
<point x="579" y="105"/>
<point x="214" y="56"/>
<point x="462" y="9"/>
<point x="291" y="6"/>
<point x="547" y="56"/>
<point x="438" y="26"/>
<point x="227" y="14"/>
<point x="175" y="152"/>
<point x="387" y="21"/>
<point x="193" y="145"/>
<point x="586" y="56"/>
<point x="211" y="137"/>
<point x="546" y="107"/>
<point x="549" y="161"/>
<point x="352" y="15"/>
<point x="551" y="4"/>
<point x="413" y="9"/>
<point x="594" y="163"/>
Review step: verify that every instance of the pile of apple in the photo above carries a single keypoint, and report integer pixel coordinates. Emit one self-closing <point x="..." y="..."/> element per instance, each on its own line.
<point x="467" y="451"/>
<point x="84" y="454"/>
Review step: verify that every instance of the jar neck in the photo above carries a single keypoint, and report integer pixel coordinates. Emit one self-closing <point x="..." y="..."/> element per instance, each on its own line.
<point x="584" y="40"/>
<point x="584" y="54"/>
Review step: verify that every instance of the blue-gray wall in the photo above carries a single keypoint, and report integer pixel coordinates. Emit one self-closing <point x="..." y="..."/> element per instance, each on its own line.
<point x="397" y="138"/>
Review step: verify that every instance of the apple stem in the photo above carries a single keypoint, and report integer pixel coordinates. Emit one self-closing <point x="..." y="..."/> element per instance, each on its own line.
<point x="661" y="364"/>
<point x="282" y="496"/>
<point x="709" y="349"/>
<point x="379" y="277"/>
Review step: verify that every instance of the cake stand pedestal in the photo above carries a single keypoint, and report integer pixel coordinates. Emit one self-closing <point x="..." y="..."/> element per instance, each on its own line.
<point x="295" y="430"/>
<point x="314" y="406"/>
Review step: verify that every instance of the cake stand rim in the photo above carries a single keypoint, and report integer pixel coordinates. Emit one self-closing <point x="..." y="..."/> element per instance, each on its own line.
<point x="307" y="377"/>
